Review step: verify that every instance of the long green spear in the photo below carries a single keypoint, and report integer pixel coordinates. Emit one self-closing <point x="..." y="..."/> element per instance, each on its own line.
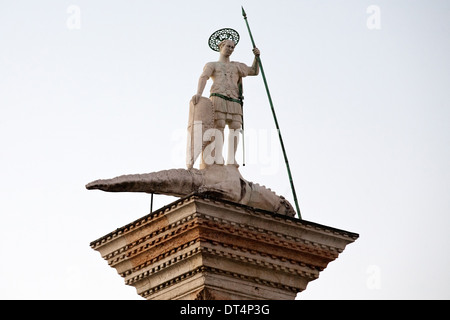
<point x="274" y="117"/>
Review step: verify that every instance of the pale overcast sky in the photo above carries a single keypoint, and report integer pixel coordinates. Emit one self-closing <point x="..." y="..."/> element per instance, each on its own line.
<point x="97" y="89"/>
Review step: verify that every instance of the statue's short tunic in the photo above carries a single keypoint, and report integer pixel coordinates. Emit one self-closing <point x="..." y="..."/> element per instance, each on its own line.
<point x="226" y="78"/>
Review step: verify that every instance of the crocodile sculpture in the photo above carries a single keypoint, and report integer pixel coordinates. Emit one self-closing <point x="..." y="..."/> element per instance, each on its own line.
<point x="221" y="181"/>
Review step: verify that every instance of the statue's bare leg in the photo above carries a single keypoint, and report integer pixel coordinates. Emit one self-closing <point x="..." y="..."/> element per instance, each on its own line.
<point x="212" y="152"/>
<point x="219" y="141"/>
<point x="233" y="141"/>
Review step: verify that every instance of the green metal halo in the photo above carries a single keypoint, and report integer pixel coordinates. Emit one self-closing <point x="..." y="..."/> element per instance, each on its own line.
<point x="223" y="34"/>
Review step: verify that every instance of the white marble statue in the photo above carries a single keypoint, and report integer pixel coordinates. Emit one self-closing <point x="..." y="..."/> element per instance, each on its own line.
<point x="227" y="100"/>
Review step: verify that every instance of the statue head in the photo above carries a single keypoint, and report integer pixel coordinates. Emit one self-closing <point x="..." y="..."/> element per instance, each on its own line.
<point x="226" y="47"/>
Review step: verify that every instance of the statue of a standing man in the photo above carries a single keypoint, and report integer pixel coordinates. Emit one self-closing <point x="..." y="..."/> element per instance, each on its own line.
<point x="226" y="90"/>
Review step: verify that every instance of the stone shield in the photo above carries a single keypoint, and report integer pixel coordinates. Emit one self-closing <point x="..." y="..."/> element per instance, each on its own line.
<point x="201" y="119"/>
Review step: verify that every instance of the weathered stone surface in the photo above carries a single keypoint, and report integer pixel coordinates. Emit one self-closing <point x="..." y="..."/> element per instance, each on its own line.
<point x="200" y="247"/>
<point x="222" y="181"/>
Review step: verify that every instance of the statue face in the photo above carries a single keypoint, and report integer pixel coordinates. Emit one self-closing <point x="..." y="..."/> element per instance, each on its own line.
<point x="227" y="47"/>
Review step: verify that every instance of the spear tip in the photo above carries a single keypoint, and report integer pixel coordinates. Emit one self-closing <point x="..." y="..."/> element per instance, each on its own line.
<point x="243" y="12"/>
